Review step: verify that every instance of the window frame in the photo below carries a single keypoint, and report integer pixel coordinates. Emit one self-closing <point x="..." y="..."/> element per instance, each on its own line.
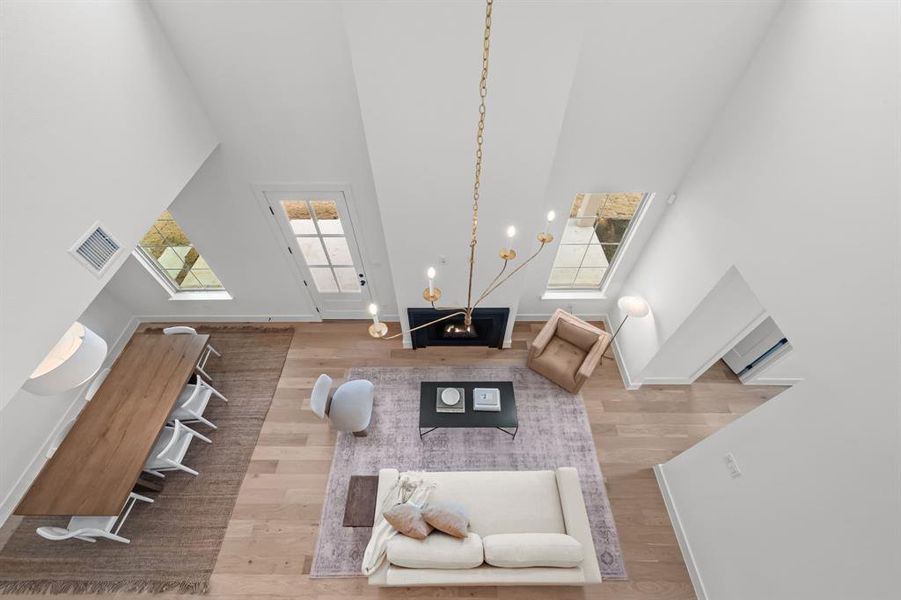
<point x="600" y="291"/>
<point x="175" y="292"/>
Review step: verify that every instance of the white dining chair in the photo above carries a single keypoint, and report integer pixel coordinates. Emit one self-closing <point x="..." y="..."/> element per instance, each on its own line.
<point x="193" y="402"/>
<point x="59" y="438"/>
<point x="89" y="529"/>
<point x="170" y="449"/>
<point x="95" y="385"/>
<point x="207" y="351"/>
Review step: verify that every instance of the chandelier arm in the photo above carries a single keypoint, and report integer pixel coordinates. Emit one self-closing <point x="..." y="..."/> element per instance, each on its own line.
<point x="397" y="335"/>
<point x="512" y="273"/>
<point x="493" y="281"/>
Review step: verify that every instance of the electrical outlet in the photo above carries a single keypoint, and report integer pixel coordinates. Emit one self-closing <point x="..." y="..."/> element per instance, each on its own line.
<point x="732" y="465"/>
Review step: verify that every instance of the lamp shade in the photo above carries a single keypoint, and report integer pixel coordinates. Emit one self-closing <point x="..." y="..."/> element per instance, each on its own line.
<point x="75" y="358"/>
<point x="634" y="306"/>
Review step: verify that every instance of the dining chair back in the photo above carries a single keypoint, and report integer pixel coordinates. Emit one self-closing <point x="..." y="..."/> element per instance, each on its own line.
<point x="169" y="452"/>
<point x="193" y="402"/>
<point x="89" y="529"/>
<point x="207" y="351"/>
<point x="95" y="385"/>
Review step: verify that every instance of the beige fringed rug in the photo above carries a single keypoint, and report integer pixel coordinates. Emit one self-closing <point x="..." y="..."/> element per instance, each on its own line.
<point x="553" y="432"/>
<point x="174" y="541"/>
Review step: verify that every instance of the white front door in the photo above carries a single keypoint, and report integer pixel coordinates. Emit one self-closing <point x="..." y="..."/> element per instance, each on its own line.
<point x="318" y="229"/>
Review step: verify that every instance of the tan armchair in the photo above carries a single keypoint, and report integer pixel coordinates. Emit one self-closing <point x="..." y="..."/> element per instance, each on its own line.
<point x="567" y="350"/>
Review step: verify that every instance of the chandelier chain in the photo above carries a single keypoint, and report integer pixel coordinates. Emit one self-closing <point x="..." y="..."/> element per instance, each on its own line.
<point x="480" y="134"/>
<point x="480" y="130"/>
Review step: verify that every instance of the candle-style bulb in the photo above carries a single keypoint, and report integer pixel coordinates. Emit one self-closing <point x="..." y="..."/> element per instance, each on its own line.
<point x="430" y="273"/>
<point x="511" y="232"/>
<point x="551" y="215"/>
<point x="373" y="309"/>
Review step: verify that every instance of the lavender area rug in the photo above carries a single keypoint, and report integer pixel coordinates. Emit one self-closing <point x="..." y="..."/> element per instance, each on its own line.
<point x="553" y="432"/>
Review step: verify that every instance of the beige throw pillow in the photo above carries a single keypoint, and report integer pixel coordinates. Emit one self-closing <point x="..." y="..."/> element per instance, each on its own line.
<point x="407" y="519"/>
<point x="578" y="336"/>
<point x="446" y="518"/>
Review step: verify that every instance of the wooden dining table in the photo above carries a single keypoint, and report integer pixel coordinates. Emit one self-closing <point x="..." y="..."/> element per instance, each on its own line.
<point x="97" y="464"/>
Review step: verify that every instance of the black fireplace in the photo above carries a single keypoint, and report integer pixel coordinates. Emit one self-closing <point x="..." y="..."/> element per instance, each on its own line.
<point x="488" y="327"/>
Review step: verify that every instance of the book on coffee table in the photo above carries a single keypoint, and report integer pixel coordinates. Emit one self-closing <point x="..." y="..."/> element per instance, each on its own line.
<point x="486" y="399"/>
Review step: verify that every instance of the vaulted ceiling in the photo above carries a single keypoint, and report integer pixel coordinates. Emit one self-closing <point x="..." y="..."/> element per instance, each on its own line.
<point x="582" y="97"/>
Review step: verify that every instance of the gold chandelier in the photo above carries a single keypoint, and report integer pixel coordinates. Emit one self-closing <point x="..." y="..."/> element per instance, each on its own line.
<point x="433" y="294"/>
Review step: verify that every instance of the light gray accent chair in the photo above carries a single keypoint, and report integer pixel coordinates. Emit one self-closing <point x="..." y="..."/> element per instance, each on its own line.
<point x="349" y="409"/>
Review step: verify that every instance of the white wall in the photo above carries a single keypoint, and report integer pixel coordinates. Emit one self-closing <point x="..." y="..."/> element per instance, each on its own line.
<point x="417" y="69"/>
<point x="805" y="153"/>
<point x="99" y="123"/>
<point x="651" y="78"/>
<point x="29" y="424"/>
<point x="724" y="315"/>
<point x="277" y="82"/>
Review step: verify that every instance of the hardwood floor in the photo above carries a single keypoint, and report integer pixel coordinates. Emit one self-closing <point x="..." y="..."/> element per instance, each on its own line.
<point x="269" y="545"/>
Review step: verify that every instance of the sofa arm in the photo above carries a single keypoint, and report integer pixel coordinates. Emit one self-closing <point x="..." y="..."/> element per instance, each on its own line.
<point x="575" y="517"/>
<point x="387" y="479"/>
<point x="545" y="335"/>
<point x="594" y="357"/>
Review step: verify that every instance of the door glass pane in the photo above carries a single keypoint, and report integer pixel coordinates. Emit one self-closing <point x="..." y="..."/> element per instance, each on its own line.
<point x="312" y="250"/>
<point x="347" y="279"/>
<point x="298" y="214"/>
<point x="323" y="279"/>
<point x="338" y="251"/>
<point x="327" y="217"/>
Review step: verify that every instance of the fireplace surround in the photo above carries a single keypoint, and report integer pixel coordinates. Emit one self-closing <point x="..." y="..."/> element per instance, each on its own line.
<point x="488" y="327"/>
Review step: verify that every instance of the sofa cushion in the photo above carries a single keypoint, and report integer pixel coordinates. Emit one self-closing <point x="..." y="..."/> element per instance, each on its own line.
<point x="407" y="519"/>
<point x="517" y="550"/>
<point x="447" y="518"/>
<point x="559" y="362"/>
<point x="580" y="337"/>
<point x="437" y="551"/>
<point x="495" y="503"/>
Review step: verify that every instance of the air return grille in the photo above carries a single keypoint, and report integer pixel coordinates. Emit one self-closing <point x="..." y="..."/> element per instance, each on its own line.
<point x="96" y="249"/>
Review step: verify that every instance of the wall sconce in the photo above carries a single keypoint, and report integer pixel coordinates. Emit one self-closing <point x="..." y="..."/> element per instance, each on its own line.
<point x="74" y="360"/>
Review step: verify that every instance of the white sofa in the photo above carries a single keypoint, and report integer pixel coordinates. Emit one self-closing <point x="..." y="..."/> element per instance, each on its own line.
<point x="498" y="502"/>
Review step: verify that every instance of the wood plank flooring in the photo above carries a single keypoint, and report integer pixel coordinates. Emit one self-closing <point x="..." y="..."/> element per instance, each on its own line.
<point x="269" y="544"/>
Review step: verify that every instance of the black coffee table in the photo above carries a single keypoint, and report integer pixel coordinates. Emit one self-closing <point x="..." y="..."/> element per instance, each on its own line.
<point x="430" y="419"/>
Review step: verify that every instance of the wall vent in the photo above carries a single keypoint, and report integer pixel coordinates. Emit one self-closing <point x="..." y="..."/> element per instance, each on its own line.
<point x="96" y="249"/>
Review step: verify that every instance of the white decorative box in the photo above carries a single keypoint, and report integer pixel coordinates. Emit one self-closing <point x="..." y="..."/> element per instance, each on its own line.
<point x="486" y="399"/>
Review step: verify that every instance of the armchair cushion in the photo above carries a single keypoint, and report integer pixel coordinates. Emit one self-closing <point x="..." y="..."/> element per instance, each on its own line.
<point x="559" y="362"/>
<point x="580" y="337"/>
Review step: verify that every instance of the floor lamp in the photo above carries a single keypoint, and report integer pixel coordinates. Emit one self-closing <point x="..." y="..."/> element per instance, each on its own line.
<point x="633" y="306"/>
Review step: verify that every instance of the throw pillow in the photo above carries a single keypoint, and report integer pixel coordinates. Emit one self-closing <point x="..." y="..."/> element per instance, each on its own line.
<point x="447" y="518"/>
<point x="578" y="336"/>
<point x="407" y="519"/>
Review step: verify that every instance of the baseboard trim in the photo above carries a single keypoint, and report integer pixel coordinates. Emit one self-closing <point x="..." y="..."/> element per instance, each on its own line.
<point x="630" y="383"/>
<point x="784" y="381"/>
<point x="546" y="316"/>
<point x="681" y="537"/>
<point x="228" y="318"/>
<point x="666" y="381"/>
<point x="15" y="494"/>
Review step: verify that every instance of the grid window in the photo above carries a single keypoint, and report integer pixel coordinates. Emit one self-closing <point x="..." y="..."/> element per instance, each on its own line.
<point x="597" y="225"/>
<point x="174" y="256"/>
